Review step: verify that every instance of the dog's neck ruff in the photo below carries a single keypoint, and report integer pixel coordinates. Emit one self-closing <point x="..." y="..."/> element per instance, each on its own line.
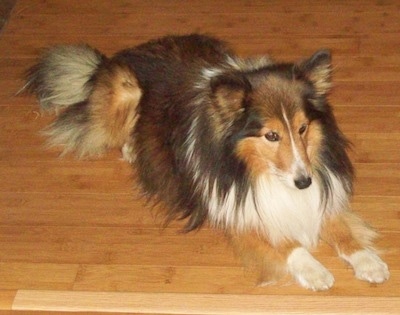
<point x="279" y="212"/>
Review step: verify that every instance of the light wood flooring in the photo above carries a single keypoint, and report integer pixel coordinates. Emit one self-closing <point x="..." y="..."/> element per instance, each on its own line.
<point x="75" y="235"/>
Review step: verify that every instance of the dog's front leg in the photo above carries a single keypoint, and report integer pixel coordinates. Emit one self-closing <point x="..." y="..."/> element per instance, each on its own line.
<point x="353" y="240"/>
<point x="272" y="262"/>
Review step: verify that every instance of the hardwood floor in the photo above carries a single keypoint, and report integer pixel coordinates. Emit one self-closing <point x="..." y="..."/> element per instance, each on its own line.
<point x="76" y="236"/>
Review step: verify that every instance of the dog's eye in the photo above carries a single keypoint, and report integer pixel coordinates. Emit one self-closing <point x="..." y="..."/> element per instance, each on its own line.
<point x="303" y="129"/>
<point x="272" y="136"/>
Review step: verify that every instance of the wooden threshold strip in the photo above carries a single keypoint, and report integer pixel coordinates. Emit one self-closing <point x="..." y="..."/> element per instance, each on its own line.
<point x="175" y="303"/>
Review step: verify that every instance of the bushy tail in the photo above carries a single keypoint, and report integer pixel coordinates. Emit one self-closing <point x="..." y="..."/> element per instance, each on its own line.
<point x="96" y="103"/>
<point x="62" y="76"/>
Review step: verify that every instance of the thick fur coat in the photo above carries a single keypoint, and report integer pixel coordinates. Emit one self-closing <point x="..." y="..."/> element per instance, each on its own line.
<point x="249" y="145"/>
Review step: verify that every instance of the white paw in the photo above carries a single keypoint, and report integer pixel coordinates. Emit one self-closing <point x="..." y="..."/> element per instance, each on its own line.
<point x="308" y="271"/>
<point x="128" y="153"/>
<point x="368" y="266"/>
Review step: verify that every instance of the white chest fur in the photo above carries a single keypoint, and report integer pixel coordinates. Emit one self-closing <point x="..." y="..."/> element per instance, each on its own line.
<point x="278" y="211"/>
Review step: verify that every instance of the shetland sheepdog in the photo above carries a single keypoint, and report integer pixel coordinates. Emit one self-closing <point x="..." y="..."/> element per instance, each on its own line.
<point x="249" y="145"/>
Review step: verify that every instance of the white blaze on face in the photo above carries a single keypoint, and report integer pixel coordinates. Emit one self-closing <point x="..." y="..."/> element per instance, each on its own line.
<point x="298" y="168"/>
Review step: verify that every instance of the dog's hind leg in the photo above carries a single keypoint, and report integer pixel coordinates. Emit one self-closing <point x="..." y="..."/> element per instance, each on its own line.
<point x="114" y="103"/>
<point x="105" y="120"/>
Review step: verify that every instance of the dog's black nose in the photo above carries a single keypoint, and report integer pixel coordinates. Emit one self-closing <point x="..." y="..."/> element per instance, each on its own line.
<point x="303" y="182"/>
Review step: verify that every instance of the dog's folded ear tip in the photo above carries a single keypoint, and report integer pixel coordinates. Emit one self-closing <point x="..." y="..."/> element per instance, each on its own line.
<point x="320" y="57"/>
<point x="323" y="52"/>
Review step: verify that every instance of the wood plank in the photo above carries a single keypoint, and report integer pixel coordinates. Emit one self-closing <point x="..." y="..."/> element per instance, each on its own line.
<point x="377" y="179"/>
<point x="220" y="280"/>
<point x="367" y="120"/>
<point x="204" y="6"/>
<point x="62" y="176"/>
<point x="365" y="93"/>
<point x="165" y="279"/>
<point x="380" y="45"/>
<point x="110" y="245"/>
<point x="7" y="299"/>
<point x="16" y="275"/>
<point x="381" y="212"/>
<point x="386" y="147"/>
<point x="330" y="23"/>
<point x="200" y="303"/>
<point x="122" y="210"/>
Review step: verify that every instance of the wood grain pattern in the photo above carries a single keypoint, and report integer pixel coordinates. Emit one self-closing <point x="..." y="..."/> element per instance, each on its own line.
<point x="197" y="303"/>
<point x="77" y="236"/>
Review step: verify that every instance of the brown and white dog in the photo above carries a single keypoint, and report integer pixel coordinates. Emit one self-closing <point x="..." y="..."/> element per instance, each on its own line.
<point x="249" y="145"/>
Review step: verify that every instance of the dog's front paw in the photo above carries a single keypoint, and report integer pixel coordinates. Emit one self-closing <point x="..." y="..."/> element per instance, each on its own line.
<point x="368" y="266"/>
<point x="308" y="271"/>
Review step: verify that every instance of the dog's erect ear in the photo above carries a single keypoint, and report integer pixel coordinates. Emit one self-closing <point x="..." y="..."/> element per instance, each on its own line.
<point x="229" y="92"/>
<point x="318" y="70"/>
<point x="230" y="101"/>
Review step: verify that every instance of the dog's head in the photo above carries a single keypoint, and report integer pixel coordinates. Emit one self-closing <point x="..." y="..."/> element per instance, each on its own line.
<point x="272" y="115"/>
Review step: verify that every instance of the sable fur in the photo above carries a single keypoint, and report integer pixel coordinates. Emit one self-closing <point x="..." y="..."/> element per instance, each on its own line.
<point x="249" y="144"/>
